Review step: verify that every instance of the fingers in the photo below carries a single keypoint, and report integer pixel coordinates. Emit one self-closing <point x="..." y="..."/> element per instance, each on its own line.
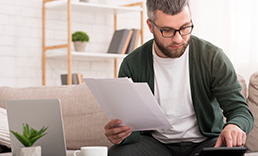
<point x="116" y="134"/>
<point x="231" y="136"/>
<point x="229" y="139"/>
<point x="112" y="124"/>
<point x="240" y="139"/>
<point x="243" y="139"/>
<point x="236" y="137"/>
<point x="219" y="142"/>
<point x="117" y="138"/>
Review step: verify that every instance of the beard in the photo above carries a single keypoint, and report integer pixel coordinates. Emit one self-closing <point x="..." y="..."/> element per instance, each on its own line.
<point x="171" y="53"/>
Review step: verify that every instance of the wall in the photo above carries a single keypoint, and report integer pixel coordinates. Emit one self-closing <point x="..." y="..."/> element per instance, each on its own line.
<point x="21" y="37"/>
<point x="21" y="41"/>
<point x="232" y="26"/>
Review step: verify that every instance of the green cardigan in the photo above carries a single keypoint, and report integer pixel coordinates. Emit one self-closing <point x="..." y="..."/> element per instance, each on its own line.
<point x="213" y="81"/>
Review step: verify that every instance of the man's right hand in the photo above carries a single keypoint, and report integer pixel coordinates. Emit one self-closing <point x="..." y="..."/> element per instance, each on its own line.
<point x="116" y="134"/>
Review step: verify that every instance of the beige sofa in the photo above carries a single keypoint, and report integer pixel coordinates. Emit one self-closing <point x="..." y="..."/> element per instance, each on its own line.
<point x="84" y="119"/>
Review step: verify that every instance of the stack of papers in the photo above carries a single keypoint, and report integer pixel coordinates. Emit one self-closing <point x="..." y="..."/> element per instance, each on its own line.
<point x="132" y="103"/>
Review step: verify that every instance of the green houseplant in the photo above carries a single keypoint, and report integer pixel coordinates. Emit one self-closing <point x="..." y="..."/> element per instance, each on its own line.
<point x="28" y="138"/>
<point x="79" y="39"/>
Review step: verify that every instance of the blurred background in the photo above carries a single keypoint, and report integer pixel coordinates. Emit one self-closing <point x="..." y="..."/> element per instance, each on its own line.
<point x="230" y="24"/>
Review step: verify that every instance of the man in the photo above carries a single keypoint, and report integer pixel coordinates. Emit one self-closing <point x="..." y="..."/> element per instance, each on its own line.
<point x="192" y="80"/>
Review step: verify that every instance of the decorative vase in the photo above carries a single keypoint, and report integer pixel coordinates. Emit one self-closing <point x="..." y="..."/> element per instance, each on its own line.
<point x="79" y="46"/>
<point x="28" y="151"/>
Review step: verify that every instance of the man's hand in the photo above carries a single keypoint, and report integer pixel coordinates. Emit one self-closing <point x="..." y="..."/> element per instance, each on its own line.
<point x="116" y="134"/>
<point x="231" y="136"/>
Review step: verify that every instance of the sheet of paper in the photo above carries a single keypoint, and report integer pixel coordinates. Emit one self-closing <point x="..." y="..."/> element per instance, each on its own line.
<point x="132" y="103"/>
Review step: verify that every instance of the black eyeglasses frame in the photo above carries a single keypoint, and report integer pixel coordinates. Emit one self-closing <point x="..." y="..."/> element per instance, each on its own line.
<point x="175" y="30"/>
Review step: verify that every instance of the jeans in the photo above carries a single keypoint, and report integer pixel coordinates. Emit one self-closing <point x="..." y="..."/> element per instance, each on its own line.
<point x="149" y="146"/>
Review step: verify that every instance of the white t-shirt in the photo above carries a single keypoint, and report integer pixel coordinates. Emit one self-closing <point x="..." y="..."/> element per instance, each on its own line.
<point x="173" y="93"/>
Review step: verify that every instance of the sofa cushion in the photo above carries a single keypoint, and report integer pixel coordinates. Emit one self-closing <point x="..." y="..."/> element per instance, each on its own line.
<point x="83" y="118"/>
<point x="252" y="100"/>
<point x="242" y="82"/>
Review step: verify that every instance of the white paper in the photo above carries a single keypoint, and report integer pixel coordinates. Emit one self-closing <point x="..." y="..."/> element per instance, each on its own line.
<point x="132" y="103"/>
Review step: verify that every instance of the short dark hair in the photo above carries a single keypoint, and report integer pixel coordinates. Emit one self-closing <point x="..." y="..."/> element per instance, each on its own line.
<point x="170" y="7"/>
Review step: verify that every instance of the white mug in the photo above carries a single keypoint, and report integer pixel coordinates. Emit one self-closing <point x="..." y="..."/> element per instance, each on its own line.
<point x="92" y="151"/>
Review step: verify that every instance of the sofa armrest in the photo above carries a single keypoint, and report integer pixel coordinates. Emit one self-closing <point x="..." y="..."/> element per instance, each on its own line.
<point x="252" y="100"/>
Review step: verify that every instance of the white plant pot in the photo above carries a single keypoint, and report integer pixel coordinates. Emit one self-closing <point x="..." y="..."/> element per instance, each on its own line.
<point x="28" y="151"/>
<point x="79" y="46"/>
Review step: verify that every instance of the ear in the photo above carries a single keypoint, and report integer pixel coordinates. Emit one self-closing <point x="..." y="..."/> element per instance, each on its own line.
<point x="150" y="25"/>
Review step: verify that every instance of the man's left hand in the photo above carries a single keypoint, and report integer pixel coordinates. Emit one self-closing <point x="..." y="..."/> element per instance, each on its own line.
<point x="231" y="136"/>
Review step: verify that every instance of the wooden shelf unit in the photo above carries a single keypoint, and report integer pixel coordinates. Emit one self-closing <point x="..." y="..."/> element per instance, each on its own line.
<point x="61" y="5"/>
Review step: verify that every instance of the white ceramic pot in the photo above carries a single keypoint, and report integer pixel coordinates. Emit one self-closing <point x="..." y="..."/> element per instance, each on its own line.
<point x="79" y="46"/>
<point x="28" y="151"/>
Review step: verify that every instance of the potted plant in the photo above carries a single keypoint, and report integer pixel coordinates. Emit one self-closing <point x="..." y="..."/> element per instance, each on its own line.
<point x="29" y="137"/>
<point x="79" y="39"/>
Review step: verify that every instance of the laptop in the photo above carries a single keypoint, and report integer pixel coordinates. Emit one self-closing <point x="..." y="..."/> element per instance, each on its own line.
<point x="38" y="113"/>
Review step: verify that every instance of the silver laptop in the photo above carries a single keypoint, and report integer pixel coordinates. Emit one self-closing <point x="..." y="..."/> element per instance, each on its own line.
<point x="38" y="113"/>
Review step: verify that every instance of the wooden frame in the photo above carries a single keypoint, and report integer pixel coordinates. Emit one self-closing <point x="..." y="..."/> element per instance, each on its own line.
<point x="68" y="45"/>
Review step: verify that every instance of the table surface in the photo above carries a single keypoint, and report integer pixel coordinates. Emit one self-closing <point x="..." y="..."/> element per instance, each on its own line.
<point x="69" y="153"/>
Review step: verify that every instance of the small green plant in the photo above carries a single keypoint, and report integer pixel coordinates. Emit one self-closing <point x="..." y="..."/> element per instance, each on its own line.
<point x="80" y="36"/>
<point x="30" y="136"/>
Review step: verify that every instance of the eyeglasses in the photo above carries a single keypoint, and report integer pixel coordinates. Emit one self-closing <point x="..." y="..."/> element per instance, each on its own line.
<point x="168" y="33"/>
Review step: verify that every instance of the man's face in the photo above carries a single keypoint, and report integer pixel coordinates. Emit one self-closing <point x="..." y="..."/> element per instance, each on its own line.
<point x="175" y="46"/>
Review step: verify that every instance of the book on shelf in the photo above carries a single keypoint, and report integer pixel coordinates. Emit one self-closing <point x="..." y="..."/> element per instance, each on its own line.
<point x="76" y="78"/>
<point x="133" y="41"/>
<point x="79" y="78"/>
<point x="120" y="41"/>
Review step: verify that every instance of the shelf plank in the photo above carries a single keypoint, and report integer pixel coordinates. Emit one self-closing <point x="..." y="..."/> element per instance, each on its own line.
<point x="61" y="5"/>
<point x="84" y="55"/>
